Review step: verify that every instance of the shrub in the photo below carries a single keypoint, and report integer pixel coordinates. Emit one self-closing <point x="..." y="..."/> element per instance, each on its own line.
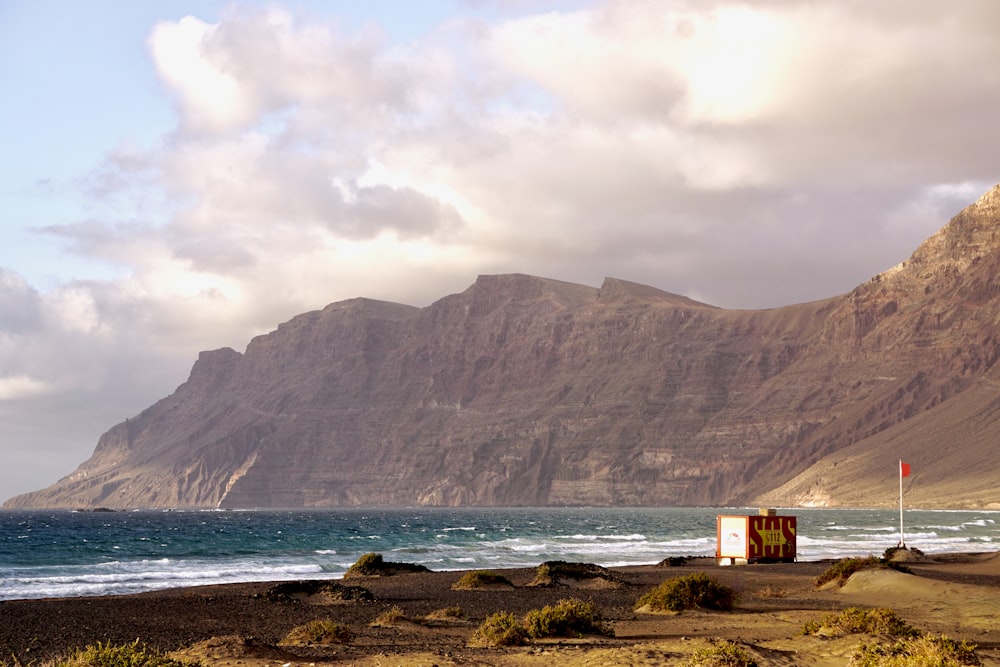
<point x="369" y="565"/>
<point x="499" y="629"/>
<point x="673" y="561"/>
<point x="855" y="620"/>
<point x="550" y="572"/>
<point x="892" y="552"/>
<point x="924" y="651"/>
<point x="117" y="655"/>
<point x="772" y="592"/>
<point x="480" y="579"/>
<point x="842" y="570"/>
<point x="688" y="592"/>
<point x="389" y="617"/>
<point x="372" y="565"/>
<point x="447" y="613"/>
<point x="721" y="654"/>
<point x="317" y="633"/>
<point x="566" y="618"/>
<point x="330" y="590"/>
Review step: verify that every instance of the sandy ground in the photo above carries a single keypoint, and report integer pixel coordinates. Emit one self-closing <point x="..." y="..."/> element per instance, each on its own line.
<point x="240" y="625"/>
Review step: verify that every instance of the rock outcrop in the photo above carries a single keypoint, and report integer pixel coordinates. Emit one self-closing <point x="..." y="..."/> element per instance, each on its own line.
<point x="528" y="391"/>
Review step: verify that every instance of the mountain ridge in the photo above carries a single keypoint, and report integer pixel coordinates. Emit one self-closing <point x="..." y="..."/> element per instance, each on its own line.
<point x="523" y="390"/>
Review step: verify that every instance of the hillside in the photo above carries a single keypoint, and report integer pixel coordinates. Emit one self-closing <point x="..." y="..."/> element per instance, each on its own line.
<point x="529" y="391"/>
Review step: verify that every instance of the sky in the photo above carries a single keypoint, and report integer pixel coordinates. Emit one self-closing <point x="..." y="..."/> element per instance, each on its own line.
<point x="182" y="176"/>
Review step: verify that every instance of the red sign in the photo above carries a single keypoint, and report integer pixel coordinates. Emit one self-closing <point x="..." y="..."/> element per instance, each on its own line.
<point x="756" y="538"/>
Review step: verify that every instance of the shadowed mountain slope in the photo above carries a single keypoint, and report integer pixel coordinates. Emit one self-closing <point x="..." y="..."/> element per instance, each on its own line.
<point x="527" y="391"/>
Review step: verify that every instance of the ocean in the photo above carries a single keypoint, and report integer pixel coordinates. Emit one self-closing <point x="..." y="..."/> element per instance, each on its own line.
<point x="66" y="554"/>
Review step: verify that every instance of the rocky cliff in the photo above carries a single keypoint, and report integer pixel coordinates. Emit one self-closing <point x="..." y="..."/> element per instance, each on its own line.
<point x="527" y="391"/>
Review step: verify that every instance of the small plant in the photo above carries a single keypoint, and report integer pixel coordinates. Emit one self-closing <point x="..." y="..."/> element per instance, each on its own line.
<point x="499" y="629"/>
<point x="117" y="655"/>
<point x="445" y="614"/>
<point x="721" y="654"/>
<point x="842" y="570"/>
<point x="369" y="565"/>
<point x="389" y="617"/>
<point x="330" y="590"/>
<point x="673" y="561"/>
<point x="892" y="552"/>
<point x="856" y="620"/>
<point x="550" y="572"/>
<point x="566" y="618"/>
<point x="317" y="633"/>
<point x="920" y="651"/>
<point x="480" y="579"/>
<point x="772" y="592"/>
<point x="688" y="592"/>
<point x="372" y="565"/>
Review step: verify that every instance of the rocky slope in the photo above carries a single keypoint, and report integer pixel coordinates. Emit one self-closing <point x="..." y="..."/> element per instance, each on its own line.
<point x="528" y="391"/>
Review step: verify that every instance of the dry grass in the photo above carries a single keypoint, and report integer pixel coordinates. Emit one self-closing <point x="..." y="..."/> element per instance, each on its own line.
<point x="499" y="629"/>
<point x="389" y="617"/>
<point x="476" y="579"/>
<point x="115" y="655"/>
<point x="721" y="654"/>
<point x="842" y="570"/>
<point x="857" y="620"/>
<point x="923" y="651"/>
<point x="317" y="633"/>
<point x="566" y="618"/>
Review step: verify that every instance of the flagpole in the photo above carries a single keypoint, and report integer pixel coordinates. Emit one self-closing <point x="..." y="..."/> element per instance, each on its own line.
<point x="901" y="542"/>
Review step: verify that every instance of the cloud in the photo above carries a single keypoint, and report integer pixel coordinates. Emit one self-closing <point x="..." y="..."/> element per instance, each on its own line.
<point x="19" y="305"/>
<point x="565" y="139"/>
<point x="784" y="92"/>
<point x="258" y="62"/>
<point x="21" y="386"/>
<point x="746" y="154"/>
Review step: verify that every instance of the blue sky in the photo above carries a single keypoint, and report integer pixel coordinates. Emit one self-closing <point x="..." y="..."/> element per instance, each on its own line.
<point x="183" y="176"/>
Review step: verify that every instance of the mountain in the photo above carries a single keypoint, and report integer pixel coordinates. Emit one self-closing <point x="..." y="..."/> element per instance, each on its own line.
<point x="528" y="391"/>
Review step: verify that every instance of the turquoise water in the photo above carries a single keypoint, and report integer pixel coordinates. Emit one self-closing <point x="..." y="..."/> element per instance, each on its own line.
<point x="62" y="554"/>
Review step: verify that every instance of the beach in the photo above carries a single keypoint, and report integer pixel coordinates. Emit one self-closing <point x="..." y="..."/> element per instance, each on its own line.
<point x="242" y="624"/>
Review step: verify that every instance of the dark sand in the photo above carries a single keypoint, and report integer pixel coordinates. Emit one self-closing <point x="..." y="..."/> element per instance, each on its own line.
<point x="241" y="624"/>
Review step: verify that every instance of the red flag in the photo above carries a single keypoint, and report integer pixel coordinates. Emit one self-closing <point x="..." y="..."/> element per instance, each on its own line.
<point x="904" y="469"/>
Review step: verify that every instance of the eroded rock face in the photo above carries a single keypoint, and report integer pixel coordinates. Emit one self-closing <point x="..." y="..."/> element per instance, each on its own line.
<point x="528" y="391"/>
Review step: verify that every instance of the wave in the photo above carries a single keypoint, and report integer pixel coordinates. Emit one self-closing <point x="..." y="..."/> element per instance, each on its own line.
<point x="65" y="554"/>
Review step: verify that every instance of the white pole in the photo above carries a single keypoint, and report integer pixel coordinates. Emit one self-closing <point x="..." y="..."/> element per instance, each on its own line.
<point x="901" y="542"/>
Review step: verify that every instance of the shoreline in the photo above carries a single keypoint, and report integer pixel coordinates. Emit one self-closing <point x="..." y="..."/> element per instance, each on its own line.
<point x="242" y="623"/>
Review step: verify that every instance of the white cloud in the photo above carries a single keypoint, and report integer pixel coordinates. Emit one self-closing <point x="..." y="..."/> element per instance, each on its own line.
<point x="21" y="386"/>
<point x="210" y="96"/>
<point x="748" y="154"/>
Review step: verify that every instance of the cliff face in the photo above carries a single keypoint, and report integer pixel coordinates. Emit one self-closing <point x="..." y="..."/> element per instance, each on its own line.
<point x="528" y="391"/>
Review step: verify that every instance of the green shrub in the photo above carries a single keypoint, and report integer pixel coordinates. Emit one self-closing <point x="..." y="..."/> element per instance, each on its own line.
<point x="117" y="655"/>
<point x="499" y="629"/>
<point x="842" y="570"/>
<point x="688" y="592"/>
<point x="721" y="654"/>
<point x="856" y="620"/>
<point x="924" y="651"/>
<point x="480" y="579"/>
<point x="566" y="618"/>
<point x="317" y="633"/>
